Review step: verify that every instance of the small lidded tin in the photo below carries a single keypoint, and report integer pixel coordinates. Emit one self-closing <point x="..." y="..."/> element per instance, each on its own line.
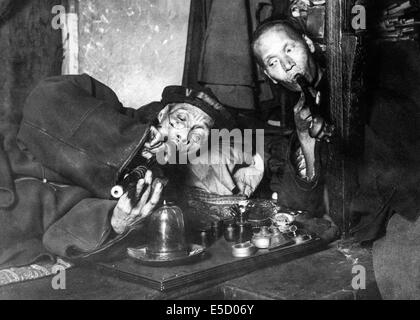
<point x="243" y="250"/>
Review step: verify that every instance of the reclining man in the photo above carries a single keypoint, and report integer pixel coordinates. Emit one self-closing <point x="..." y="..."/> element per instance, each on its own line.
<point x="75" y="141"/>
<point x="283" y="52"/>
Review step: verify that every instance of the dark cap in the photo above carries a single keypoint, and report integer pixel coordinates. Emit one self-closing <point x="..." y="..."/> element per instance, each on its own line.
<point x="203" y="99"/>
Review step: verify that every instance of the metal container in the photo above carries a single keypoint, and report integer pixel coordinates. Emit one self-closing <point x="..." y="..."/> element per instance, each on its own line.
<point x="206" y="237"/>
<point x="262" y="239"/>
<point x="244" y="232"/>
<point x="277" y="237"/>
<point x="217" y="229"/>
<point x="231" y="231"/>
<point x="243" y="250"/>
<point x="283" y="221"/>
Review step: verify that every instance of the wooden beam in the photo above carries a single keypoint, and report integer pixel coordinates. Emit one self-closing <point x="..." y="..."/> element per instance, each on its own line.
<point x="335" y="181"/>
<point x="70" y="35"/>
<point x="345" y="76"/>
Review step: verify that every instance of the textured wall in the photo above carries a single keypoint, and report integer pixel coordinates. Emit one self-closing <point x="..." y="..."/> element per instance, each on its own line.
<point x="137" y="47"/>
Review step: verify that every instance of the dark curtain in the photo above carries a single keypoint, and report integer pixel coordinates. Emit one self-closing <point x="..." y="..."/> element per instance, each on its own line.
<point x="219" y="56"/>
<point x="30" y="50"/>
<point x="218" y="52"/>
<point x="197" y="24"/>
<point x="5" y="9"/>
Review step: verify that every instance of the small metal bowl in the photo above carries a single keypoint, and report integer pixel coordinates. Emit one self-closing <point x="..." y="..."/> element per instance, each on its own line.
<point x="243" y="250"/>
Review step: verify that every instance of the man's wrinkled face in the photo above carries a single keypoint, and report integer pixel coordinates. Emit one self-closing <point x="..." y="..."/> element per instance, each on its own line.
<point x="185" y="126"/>
<point x="284" y="54"/>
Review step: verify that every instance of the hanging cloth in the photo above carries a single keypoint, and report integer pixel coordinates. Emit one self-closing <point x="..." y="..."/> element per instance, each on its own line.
<point x="227" y="65"/>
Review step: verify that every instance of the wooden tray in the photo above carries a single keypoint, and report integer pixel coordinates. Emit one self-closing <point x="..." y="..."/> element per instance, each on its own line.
<point x="217" y="264"/>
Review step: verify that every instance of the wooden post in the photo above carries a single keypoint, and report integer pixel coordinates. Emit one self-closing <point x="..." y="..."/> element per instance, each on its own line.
<point x="70" y="35"/>
<point x="345" y="76"/>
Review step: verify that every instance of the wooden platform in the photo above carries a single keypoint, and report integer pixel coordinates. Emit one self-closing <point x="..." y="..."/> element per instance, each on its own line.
<point x="217" y="265"/>
<point x="322" y="275"/>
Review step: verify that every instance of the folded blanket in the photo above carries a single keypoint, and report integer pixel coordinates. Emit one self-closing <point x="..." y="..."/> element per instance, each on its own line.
<point x="32" y="272"/>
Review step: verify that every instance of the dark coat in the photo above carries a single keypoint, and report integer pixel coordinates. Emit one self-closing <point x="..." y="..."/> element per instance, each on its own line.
<point x="55" y="182"/>
<point x="294" y="191"/>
